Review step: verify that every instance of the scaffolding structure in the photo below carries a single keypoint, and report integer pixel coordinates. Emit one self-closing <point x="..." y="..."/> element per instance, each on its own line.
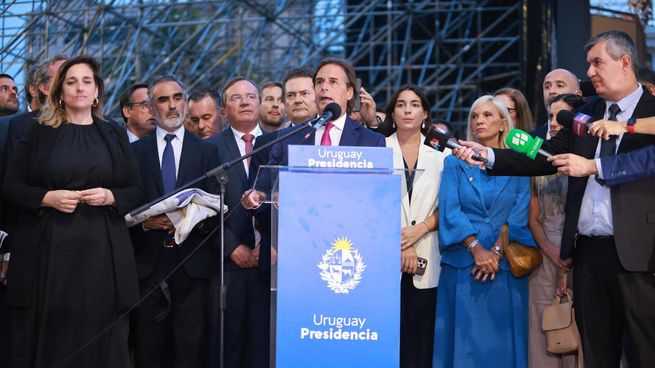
<point x="455" y="50"/>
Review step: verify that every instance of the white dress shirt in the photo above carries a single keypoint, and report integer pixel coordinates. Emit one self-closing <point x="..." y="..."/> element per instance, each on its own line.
<point x="596" y="209"/>
<point x="176" y="142"/>
<point x="335" y="132"/>
<point x="242" y="144"/>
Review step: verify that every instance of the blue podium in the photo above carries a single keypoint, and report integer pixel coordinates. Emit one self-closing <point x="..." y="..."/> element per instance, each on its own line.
<point x="336" y="284"/>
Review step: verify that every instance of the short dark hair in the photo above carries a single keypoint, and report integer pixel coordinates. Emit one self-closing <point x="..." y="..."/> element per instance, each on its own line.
<point x="570" y="99"/>
<point x="297" y="72"/>
<point x="3" y="75"/>
<point x="165" y="78"/>
<point x="199" y="93"/>
<point x="273" y="84"/>
<point x="388" y="127"/>
<point x="231" y="82"/>
<point x="126" y="96"/>
<point x="347" y="67"/>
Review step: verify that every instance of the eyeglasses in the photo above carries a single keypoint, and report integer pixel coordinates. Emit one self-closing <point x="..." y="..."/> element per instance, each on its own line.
<point x="239" y="98"/>
<point x="5" y="89"/>
<point x="143" y="105"/>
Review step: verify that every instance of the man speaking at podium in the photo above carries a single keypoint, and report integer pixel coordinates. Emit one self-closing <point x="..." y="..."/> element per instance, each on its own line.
<point x="334" y="82"/>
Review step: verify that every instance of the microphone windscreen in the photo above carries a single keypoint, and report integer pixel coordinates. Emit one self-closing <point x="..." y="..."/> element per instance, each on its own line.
<point x="334" y="108"/>
<point x="565" y="118"/>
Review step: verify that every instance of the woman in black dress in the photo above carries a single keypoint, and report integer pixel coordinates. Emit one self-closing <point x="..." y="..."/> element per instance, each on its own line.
<point x="72" y="271"/>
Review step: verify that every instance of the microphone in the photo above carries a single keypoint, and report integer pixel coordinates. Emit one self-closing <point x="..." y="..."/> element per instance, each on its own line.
<point x="523" y="142"/>
<point x="439" y="140"/>
<point x="330" y="112"/>
<point x="578" y="123"/>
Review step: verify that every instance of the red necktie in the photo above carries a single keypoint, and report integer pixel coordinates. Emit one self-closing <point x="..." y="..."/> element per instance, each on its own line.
<point x="248" y="138"/>
<point x="325" y="139"/>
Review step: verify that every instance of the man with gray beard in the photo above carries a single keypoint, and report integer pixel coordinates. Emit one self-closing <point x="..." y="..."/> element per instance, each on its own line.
<point x="169" y="326"/>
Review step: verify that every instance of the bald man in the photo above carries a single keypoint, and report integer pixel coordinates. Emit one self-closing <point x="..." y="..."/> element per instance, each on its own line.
<point x="560" y="81"/>
<point x="557" y="82"/>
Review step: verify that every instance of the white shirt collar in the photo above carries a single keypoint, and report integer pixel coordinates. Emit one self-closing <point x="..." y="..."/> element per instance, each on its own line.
<point x="179" y="133"/>
<point x="340" y="122"/>
<point x="257" y="131"/>
<point x="628" y="102"/>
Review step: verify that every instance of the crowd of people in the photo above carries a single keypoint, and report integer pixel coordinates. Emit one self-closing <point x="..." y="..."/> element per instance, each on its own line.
<point x="81" y="289"/>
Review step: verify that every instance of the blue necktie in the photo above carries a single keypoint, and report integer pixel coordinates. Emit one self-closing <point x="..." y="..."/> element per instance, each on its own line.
<point x="168" y="165"/>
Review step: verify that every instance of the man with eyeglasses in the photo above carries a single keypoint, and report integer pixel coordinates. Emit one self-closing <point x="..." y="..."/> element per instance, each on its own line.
<point x="137" y="112"/>
<point x="246" y="316"/>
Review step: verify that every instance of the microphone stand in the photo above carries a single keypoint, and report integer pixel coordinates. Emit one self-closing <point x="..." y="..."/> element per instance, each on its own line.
<point x="220" y="173"/>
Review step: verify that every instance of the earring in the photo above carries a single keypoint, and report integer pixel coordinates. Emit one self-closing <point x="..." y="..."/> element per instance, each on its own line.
<point x="423" y="124"/>
<point x="393" y="124"/>
<point x="61" y="103"/>
<point x="95" y="102"/>
<point x="502" y="130"/>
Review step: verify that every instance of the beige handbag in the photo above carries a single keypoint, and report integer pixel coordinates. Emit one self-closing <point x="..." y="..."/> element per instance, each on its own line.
<point x="558" y="322"/>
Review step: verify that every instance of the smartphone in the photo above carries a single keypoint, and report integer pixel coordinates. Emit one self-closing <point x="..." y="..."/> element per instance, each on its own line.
<point x="357" y="102"/>
<point x="421" y="265"/>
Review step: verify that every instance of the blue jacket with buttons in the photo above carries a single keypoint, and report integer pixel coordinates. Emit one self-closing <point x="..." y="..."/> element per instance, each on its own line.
<point x="462" y="211"/>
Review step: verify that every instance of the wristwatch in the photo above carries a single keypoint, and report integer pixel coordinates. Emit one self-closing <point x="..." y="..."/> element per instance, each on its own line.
<point x="631" y="125"/>
<point x="496" y="249"/>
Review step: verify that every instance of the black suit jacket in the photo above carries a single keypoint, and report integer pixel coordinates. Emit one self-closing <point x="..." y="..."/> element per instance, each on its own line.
<point x="633" y="204"/>
<point x="541" y="131"/>
<point x="26" y="186"/>
<point x="18" y="125"/>
<point x="238" y="225"/>
<point x="196" y="159"/>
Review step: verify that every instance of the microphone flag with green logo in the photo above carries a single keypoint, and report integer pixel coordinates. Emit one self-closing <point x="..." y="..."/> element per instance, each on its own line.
<point x="523" y="142"/>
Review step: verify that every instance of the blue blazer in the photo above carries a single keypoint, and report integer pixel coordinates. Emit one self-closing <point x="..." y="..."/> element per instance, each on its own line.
<point x="462" y="211"/>
<point x="630" y="166"/>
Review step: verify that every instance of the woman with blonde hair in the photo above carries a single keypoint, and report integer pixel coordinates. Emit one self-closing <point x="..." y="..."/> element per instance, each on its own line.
<point x="72" y="270"/>
<point x="482" y="309"/>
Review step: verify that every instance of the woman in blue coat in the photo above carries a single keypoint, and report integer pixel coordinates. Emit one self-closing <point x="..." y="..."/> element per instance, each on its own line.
<point x="482" y="310"/>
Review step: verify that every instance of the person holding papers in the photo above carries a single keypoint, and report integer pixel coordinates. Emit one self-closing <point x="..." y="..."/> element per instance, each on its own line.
<point x="72" y="272"/>
<point x="482" y="309"/>
<point x="170" y="325"/>
<point x="406" y="125"/>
